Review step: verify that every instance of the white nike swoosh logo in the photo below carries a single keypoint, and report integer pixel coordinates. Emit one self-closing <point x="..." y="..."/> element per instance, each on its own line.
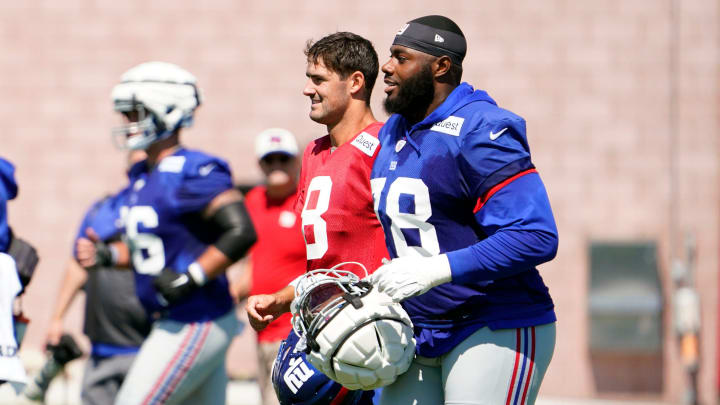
<point x="205" y="170"/>
<point x="179" y="281"/>
<point x="496" y="135"/>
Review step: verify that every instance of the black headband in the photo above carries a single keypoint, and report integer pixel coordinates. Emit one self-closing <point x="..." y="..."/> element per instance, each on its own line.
<point x="433" y="41"/>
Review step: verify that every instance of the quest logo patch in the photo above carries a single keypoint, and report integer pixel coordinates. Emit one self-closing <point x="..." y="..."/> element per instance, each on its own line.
<point x="367" y="143"/>
<point x="450" y="125"/>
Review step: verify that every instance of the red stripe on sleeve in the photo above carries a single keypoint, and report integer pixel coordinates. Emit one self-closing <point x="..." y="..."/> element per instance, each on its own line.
<point x="482" y="200"/>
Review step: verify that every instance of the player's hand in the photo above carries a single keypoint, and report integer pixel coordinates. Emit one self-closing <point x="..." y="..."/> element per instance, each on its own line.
<point x="262" y="309"/>
<point x="172" y="286"/>
<point x="408" y="276"/>
<point x="92" y="251"/>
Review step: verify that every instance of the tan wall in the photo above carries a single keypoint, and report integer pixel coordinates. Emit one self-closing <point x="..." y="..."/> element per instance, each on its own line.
<point x="595" y="80"/>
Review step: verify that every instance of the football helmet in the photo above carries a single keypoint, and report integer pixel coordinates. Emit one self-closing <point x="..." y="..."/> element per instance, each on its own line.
<point x="298" y="382"/>
<point x="160" y="97"/>
<point x="352" y="333"/>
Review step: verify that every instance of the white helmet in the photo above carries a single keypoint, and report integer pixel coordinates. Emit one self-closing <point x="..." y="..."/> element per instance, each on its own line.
<point x="352" y="333"/>
<point x="165" y="97"/>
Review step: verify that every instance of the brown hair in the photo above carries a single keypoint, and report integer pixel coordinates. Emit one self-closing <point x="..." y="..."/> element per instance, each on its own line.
<point x="345" y="53"/>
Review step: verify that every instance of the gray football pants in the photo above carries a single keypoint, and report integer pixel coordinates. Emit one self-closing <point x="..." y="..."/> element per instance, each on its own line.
<point x="504" y="366"/>
<point x="102" y="378"/>
<point x="181" y="363"/>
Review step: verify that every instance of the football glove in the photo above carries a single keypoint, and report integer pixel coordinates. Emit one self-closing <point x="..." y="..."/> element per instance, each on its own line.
<point x="172" y="286"/>
<point x="408" y="276"/>
<point x="104" y="255"/>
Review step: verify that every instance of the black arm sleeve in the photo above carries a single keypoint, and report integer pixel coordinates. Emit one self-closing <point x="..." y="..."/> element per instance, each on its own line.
<point x="237" y="233"/>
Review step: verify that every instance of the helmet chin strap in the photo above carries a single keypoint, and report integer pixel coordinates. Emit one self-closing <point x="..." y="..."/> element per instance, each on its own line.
<point x="356" y="300"/>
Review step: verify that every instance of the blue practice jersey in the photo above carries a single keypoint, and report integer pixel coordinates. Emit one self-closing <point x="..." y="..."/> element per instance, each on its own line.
<point x="164" y="228"/>
<point x="8" y="191"/>
<point x="461" y="182"/>
<point x="115" y="321"/>
<point x="104" y="217"/>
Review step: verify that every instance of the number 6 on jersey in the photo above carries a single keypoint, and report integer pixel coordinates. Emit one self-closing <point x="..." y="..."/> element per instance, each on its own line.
<point x="148" y="252"/>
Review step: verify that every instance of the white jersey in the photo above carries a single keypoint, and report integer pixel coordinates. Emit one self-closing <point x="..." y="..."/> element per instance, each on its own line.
<point x="11" y="369"/>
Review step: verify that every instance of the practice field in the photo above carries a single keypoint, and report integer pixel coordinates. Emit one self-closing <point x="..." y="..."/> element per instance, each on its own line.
<point x="65" y="390"/>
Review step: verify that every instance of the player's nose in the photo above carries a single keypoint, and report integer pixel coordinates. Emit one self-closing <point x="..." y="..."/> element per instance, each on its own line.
<point x="309" y="90"/>
<point x="388" y="67"/>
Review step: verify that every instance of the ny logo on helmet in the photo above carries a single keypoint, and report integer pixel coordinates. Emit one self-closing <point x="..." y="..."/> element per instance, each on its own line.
<point x="297" y="374"/>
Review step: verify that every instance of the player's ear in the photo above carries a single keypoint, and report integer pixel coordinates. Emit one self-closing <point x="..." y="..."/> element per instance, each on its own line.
<point x="356" y="83"/>
<point x="441" y="66"/>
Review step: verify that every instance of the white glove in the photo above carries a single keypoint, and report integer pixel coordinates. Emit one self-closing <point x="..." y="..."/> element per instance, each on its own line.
<point x="408" y="276"/>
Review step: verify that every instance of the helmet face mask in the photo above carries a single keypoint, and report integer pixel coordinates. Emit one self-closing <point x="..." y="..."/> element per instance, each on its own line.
<point x="320" y="295"/>
<point x="140" y="129"/>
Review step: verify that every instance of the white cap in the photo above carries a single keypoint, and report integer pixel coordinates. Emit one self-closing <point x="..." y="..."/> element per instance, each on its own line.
<point x="275" y="140"/>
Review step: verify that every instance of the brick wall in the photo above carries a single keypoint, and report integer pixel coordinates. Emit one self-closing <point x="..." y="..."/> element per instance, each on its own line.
<point x="624" y="154"/>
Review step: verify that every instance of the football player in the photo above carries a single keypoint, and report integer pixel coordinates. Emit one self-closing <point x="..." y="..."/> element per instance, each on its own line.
<point x="334" y="199"/>
<point x="184" y="225"/>
<point x="467" y="220"/>
<point x="115" y="321"/>
<point x="8" y="191"/>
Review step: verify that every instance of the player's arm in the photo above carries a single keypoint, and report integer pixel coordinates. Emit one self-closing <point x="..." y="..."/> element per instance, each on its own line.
<point x="512" y="209"/>
<point x="236" y="234"/>
<point x="74" y="278"/>
<point x="265" y="308"/>
<point x="91" y="251"/>
<point x="521" y="233"/>
<point x="262" y="309"/>
<point x="226" y="213"/>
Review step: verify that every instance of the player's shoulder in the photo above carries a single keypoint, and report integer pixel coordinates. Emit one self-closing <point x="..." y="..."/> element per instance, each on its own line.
<point x="367" y="141"/>
<point x="99" y="204"/>
<point x="108" y="205"/>
<point x="489" y="118"/>
<point x="194" y="158"/>
<point x="374" y="128"/>
<point x="193" y="163"/>
<point x="317" y="146"/>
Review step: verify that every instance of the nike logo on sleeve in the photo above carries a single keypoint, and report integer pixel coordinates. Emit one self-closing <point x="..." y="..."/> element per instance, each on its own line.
<point x="496" y="135"/>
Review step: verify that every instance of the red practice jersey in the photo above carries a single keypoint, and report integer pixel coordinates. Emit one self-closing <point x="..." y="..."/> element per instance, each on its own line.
<point x="278" y="256"/>
<point x="336" y="204"/>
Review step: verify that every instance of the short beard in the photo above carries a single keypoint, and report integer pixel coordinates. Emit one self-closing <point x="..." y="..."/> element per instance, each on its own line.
<point x="414" y="96"/>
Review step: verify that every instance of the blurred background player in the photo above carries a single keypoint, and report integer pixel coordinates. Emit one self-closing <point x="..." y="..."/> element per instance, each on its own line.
<point x="335" y="200"/>
<point x="184" y="225"/>
<point x="278" y="256"/>
<point x="8" y="191"/>
<point x="115" y="321"/>
<point x="22" y="252"/>
<point x="464" y="211"/>
<point x="15" y="273"/>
